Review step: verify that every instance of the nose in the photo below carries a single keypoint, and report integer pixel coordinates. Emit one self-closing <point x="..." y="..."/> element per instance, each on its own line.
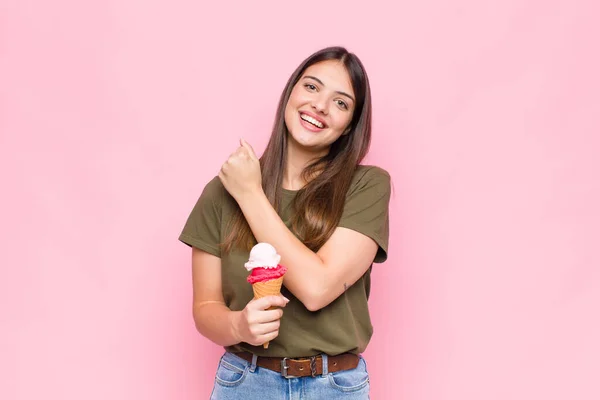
<point x="320" y="104"/>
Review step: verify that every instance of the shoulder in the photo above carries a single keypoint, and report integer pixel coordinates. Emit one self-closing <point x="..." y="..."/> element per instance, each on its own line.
<point x="213" y="195"/>
<point x="214" y="190"/>
<point x="370" y="172"/>
<point x="370" y="176"/>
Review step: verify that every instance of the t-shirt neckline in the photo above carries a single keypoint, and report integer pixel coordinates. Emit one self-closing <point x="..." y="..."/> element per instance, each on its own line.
<point x="290" y="192"/>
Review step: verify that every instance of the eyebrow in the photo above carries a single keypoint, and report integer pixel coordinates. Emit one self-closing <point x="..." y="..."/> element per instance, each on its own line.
<point x="337" y="91"/>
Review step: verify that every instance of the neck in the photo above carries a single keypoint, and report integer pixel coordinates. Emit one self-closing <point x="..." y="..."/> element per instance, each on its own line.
<point x="297" y="159"/>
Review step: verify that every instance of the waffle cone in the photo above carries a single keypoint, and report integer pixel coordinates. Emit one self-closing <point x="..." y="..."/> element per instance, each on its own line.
<point x="271" y="287"/>
<point x="267" y="288"/>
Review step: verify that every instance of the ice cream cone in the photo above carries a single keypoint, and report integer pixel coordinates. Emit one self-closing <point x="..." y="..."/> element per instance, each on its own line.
<point x="267" y="288"/>
<point x="266" y="274"/>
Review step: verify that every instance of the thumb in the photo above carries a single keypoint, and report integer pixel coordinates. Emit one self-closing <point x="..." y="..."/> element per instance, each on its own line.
<point x="247" y="146"/>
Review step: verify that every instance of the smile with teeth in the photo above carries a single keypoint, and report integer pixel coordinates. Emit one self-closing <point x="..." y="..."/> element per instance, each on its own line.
<point x="311" y="120"/>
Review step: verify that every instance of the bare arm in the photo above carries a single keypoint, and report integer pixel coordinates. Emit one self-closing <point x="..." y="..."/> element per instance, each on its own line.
<point x="316" y="279"/>
<point x="212" y="318"/>
<point x="215" y="321"/>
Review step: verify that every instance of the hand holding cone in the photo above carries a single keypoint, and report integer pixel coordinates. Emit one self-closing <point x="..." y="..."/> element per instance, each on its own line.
<point x="267" y="275"/>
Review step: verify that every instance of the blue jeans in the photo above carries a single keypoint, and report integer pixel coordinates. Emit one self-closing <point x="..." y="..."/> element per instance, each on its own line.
<point x="237" y="379"/>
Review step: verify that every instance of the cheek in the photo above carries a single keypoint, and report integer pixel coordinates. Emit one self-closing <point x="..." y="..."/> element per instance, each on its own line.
<point x="287" y="113"/>
<point x="342" y="121"/>
<point x="292" y="104"/>
<point x="295" y="95"/>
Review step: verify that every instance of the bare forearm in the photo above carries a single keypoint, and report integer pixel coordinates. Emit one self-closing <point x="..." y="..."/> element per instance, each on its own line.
<point x="216" y="323"/>
<point x="305" y="267"/>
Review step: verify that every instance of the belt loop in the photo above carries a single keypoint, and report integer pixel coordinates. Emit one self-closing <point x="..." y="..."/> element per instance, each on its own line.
<point x="325" y="364"/>
<point x="253" y="365"/>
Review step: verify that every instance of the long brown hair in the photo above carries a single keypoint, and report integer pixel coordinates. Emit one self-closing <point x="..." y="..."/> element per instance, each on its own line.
<point x="318" y="206"/>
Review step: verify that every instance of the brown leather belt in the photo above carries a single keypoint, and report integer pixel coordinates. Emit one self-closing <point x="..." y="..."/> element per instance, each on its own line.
<point x="308" y="366"/>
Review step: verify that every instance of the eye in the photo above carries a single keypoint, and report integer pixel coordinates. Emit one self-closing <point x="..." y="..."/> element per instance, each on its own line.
<point x="310" y="87"/>
<point x="342" y="104"/>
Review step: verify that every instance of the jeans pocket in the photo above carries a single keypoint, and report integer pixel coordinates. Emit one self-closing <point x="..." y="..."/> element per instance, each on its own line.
<point x="229" y="374"/>
<point x="351" y="380"/>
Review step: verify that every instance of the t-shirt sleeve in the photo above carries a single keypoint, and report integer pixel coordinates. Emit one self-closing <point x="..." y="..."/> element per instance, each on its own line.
<point x="366" y="208"/>
<point x="203" y="226"/>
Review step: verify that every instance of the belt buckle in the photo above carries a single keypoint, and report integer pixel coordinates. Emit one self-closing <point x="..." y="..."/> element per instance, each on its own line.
<point x="284" y="368"/>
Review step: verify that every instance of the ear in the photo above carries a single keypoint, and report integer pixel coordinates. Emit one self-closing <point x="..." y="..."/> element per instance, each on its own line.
<point x="347" y="131"/>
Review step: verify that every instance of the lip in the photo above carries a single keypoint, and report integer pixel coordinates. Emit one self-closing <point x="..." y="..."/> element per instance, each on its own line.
<point x="315" y="117"/>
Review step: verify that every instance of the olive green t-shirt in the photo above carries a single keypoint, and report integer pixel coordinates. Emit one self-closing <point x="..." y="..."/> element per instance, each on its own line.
<point x="342" y="326"/>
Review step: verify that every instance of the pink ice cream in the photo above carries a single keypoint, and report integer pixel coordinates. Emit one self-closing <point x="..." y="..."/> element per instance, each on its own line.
<point x="265" y="274"/>
<point x="264" y="264"/>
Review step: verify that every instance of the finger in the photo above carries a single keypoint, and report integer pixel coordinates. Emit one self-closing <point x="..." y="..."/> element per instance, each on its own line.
<point x="240" y="154"/>
<point x="269" y="301"/>
<point x="236" y="151"/>
<point x="247" y="146"/>
<point x="239" y="150"/>
<point x="265" y="329"/>
<point x="268" y="337"/>
<point x="268" y="316"/>
<point x="223" y="170"/>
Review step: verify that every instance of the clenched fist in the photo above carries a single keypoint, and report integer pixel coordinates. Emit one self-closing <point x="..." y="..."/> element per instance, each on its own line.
<point x="240" y="174"/>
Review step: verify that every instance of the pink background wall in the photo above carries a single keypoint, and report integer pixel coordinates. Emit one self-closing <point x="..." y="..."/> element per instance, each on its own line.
<point x="115" y="113"/>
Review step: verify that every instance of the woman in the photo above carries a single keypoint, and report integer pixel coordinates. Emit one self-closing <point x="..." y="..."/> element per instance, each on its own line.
<point x="326" y="215"/>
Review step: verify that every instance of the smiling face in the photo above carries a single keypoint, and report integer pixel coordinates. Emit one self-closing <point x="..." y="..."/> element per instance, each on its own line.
<point x="320" y="107"/>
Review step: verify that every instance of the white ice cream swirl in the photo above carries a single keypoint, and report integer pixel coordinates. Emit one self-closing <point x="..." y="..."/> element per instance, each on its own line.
<point x="263" y="255"/>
